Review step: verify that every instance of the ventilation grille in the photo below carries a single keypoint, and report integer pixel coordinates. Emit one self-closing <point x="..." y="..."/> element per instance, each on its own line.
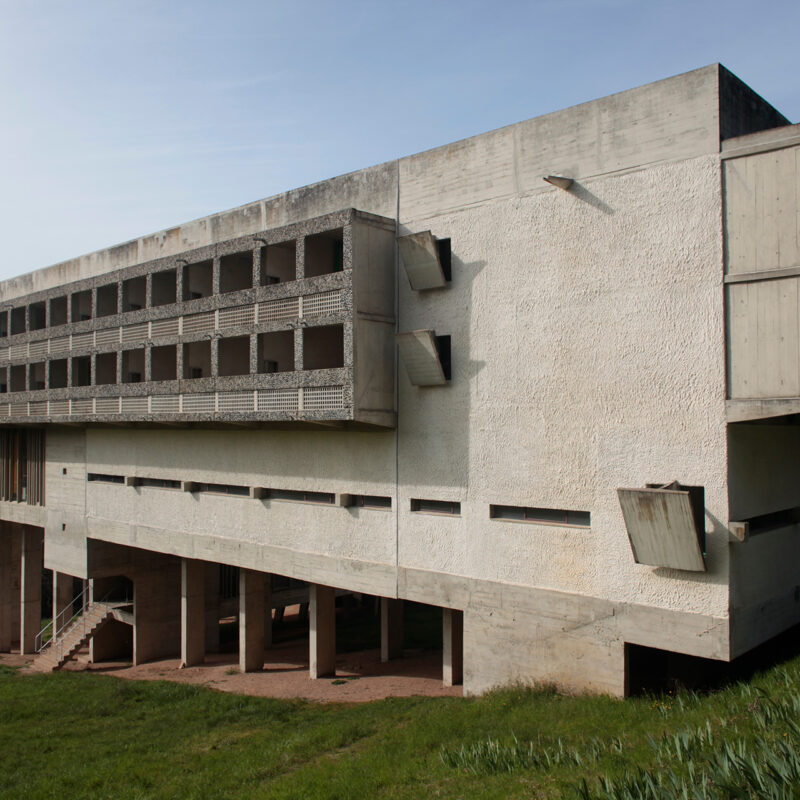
<point x="3" y="354"/>
<point x="199" y="323"/>
<point x="59" y="407"/>
<point x="236" y="401"/>
<point x="59" y="345"/>
<point x="164" y="327"/>
<point x="38" y="409"/>
<point x="135" y="333"/>
<point x="277" y="400"/>
<point x="82" y="341"/>
<point x="271" y="310"/>
<point x="38" y="348"/>
<point x="106" y="405"/>
<point x="18" y="351"/>
<point x="237" y="317"/>
<point x="106" y="337"/>
<point x="323" y="398"/>
<point x="164" y="403"/>
<point x="201" y="402"/>
<point x="82" y="405"/>
<point x="134" y="405"/>
<point x="19" y="409"/>
<point x="315" y="305"/>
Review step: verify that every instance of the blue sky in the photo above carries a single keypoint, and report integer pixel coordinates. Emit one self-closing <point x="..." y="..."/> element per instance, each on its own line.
<point x="122" y="118"/>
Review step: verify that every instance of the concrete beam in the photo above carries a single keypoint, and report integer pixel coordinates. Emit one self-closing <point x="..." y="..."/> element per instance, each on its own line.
<point x="391" y="628"/>
<point x="322" y="630"/>
<point x="453" y="647"/>
<point x="193" y="612"/>
<point x="252" y="614"/>
<point x="30" y="593"/>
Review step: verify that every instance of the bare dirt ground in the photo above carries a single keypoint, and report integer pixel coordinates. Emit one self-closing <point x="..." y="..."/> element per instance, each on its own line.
<point x="360" y="676"/>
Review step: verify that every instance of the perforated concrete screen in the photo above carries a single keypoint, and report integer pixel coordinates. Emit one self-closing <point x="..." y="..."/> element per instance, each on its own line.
<point x="420" y="257"/>
<point x="662" y="528"/>
<point x="421" y="358"/>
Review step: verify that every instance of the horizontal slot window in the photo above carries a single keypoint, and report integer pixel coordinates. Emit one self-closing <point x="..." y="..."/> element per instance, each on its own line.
<point x="324" y="498"/>
<point x="773" y="520"/>
<point x="222" y="488"/>
<point x="371" y="501"/>
<point x="436" y="507"/>
<point x="158" y="483"/>
<point x="543" y="516"/>
<point x="97" y="477"/>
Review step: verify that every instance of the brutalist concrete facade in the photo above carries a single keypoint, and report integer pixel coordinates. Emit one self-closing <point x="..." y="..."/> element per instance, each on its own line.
<point x="587" y="327"/>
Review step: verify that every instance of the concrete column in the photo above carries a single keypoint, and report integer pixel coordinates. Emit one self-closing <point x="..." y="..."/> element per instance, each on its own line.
<point x="212" y="608"/>
<point x="156" y="608"/>
<point x="193" y="612"/>
<point x="267" y="611"/>
<point x="391" y="628"/>
<point x="30" y="594"/>
<point x="252" y="613"/>
<point x="6" y="588"/>
<point x="322" y="630"/>
<point x="453" y="647"/>
<point x="62" y="596"/>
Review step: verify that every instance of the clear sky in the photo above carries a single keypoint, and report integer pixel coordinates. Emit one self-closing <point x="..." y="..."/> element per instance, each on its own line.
<point x="118" y="119"/>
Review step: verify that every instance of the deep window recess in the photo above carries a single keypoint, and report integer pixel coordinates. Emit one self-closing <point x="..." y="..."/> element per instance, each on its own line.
<point x="443" y="348"/>
<point x="133" y="366"/>
<point x="323" y="347"/>
<point x="436" y="507"/>
<point x="772" y="521"/>
<point x="164" y="363"/>
<point x="326" y="498"/>
<point x="445" y="258"/>
<point x="58" y="374"/>
<point x="105" y="369"/>
<point x="36" y="376"/>
<point x="58" y="311"/>
<point x="82" y="306"/>
<point x="18" y="378"/>
<point x="236" y="272"/>
<point x="164" y="287"/>
<point x="3" y="323"/>
<point x="278" y="263"/>
<point x="324" y="253"/>
<point x="107" y="300"/>
<point x="134" y="293"/>
<point x="158" y="483"/>
<point x="197" y="280"/>
<point x="276" y="351"/>
<point x="222" y="488"/>
<point x="37" y="316"/>
<point x="234" y="356"/>
<point x="544" y="516"/>
<point x="371" y="501"/>
<point x="81" y="371"/>
<point x="17" y="320"/>
<point x="3" y="380"/>
<point x="22" y="466"/>
<point x="98" y="477"/>
<point x="197" y="359"/>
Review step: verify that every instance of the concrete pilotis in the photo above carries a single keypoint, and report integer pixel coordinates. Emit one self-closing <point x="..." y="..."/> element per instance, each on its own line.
<point x="267" y="611"/>
<point x="6" y="588"/>
<point x="212" y="607"/>
<point x="30" y="594"/>
<point x="156" y="609"/>
<point x="193" y="612"/>
<point x="322" y="630"/>
<point x="453" y="647"/>
<point x="391" y="628"/>
<point x="252" y="614"/>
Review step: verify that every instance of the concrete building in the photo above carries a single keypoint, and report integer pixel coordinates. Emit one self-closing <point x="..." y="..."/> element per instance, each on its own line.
<point x="546" y="379"/>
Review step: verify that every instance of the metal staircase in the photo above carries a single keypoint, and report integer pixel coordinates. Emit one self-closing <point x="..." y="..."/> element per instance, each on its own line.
<point x="62" y="638"/>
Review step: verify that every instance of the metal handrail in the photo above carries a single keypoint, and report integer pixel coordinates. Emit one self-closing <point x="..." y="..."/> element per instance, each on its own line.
<point x="66" y="620"/>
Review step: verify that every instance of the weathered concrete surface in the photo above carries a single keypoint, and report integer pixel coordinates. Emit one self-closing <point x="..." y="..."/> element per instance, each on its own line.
<point x="193" y="612"/>
<point x="252" y="619"/>
<point x="322" y="631"/>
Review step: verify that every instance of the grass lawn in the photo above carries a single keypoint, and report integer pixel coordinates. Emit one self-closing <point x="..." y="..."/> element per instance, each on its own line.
<point x="78" y="735"/>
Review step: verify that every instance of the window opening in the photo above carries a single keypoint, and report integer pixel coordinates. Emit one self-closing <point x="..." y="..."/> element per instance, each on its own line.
<point x="278" y="263"/>
<point x="324" y="253"/>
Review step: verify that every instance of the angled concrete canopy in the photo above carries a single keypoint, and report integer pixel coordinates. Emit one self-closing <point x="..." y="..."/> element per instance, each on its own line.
<point x="420" y="257"/>
<point x="661" y="527"/>
<point x="421" y="357"/>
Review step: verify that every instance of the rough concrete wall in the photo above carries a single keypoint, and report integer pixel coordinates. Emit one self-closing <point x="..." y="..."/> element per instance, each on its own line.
<point x="587" y="337"/>
<point x="65" y="486"/>
<point x="764" y="476"/>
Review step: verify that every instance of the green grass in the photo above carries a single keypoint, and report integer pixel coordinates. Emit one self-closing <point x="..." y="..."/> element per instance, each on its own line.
<point x="89" y="736"/>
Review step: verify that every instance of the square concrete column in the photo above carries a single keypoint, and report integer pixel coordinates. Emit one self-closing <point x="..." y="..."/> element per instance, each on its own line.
<point x="391" y="628"/>
<point x="193" y="612"/>
<point x="156" y="608"/>
<point x="6" y="588"/>
<point x="322" y="630"/>
<point x="453" y="647"/>
<point x="30" y="592"/>
<point x="252" y="613"/>
<point x="62" y="597"/>
<point x="212" y="608"/>
<point x="268" y="611"/>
